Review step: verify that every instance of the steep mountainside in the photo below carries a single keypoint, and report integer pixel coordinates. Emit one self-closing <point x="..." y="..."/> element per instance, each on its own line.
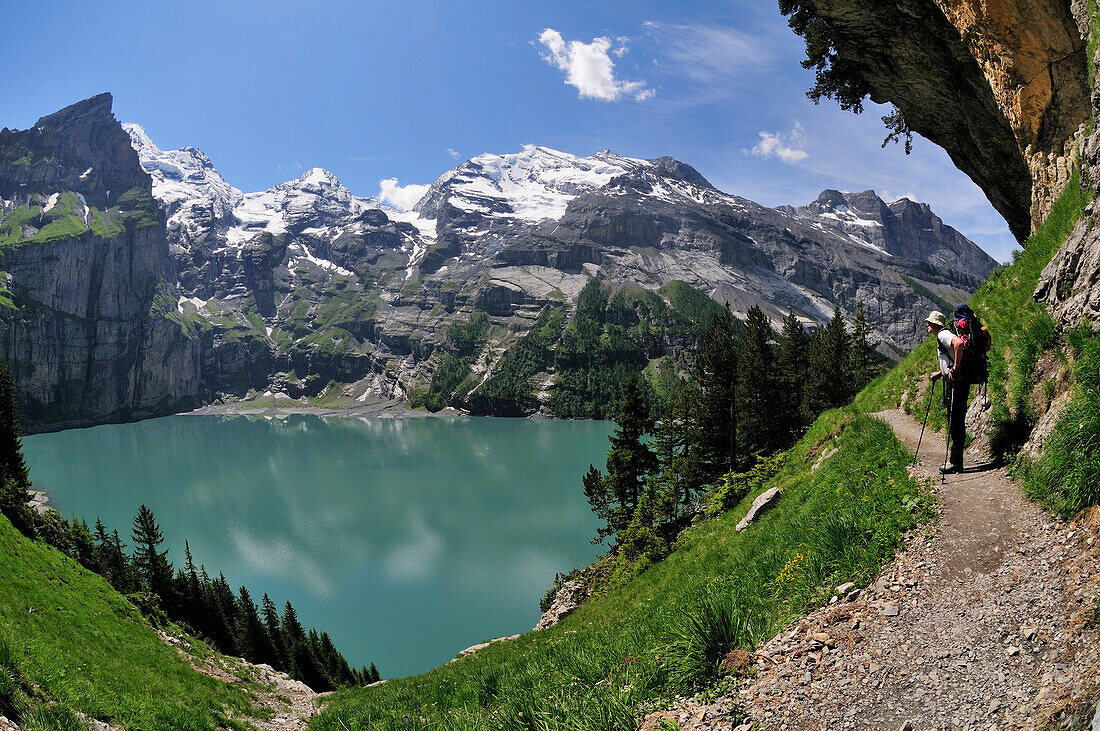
<point x="87" y="263"/>
<point x="310" y="291"/>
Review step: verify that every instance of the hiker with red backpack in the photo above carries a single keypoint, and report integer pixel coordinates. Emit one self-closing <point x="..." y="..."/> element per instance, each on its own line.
<point x="963" y="363"/>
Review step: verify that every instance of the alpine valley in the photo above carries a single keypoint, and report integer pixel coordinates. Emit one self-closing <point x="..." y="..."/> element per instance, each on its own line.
<point x="145" y="283"/>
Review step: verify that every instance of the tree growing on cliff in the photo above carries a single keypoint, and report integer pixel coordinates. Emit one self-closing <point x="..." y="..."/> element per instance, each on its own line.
<point x="836" y="77"/>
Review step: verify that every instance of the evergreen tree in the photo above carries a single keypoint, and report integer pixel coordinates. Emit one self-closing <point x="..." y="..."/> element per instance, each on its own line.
<point x="598" y="494"/>
<point x="81" y="545"/>
<point x="224" y="609"/>
<point x="12" y="464"/>
<point x="861" y="356"/>
<point x="756" y="386"/>
<point x="251" y="637"/>
<point x="271" y="623"/>
<point x="715" y="429"/>
<point x="830" y="378"/>
<point x="15" y="479"/>
<point x="678" y="475"/>
<point x="190" y="591"/>
<point x="151" y="563"/>
<point x="630" y="460"/>
<point x="792" y="367"/>
<point x="116" y="566"/>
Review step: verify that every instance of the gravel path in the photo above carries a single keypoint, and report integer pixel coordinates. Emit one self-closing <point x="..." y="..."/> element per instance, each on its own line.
<point x="982" y="622"/>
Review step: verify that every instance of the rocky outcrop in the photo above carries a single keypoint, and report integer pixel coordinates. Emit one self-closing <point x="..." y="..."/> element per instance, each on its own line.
<point x="1070" y="284"/>
<point x="89" y="338"/>
<point x="999" y="84"/>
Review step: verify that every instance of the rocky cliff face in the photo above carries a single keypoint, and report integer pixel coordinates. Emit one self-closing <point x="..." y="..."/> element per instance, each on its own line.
<point x="999" y="84"/>
<point x="1070" y="284"/>
<point x="85" y="255"/>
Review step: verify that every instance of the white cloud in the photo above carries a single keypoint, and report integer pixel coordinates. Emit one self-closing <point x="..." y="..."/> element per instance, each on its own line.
<point x="453" y="153"/>
<point x="588" y="67"/>
<point x="401" y="197"/>
<point x="787" y="148"/>
<point x="713" y="55"/>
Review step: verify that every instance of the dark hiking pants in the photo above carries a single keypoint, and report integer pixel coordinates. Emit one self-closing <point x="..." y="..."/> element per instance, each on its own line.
<point x="954" y="400"/>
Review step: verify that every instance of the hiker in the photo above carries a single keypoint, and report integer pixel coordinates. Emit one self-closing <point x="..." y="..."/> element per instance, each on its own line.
<point x="955" y="389"/>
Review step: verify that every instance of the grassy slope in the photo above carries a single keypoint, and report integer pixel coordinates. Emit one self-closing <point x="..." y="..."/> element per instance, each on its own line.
<point x="601" y="665"/>
<point x="78" y="642"/>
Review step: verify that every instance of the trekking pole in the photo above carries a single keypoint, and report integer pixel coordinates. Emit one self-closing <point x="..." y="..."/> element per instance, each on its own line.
<point x="950" y="411"/>
<point x="927" y="410"/>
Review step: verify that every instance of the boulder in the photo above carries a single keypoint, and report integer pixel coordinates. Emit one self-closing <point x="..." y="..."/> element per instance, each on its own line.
<point x="759" y="505"/>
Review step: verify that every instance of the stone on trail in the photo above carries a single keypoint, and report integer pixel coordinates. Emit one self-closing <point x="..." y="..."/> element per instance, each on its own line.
<point x="759" y="505"/>
<point x="890" y="610"/>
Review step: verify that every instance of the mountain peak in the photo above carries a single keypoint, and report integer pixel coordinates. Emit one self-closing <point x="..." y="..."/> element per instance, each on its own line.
<point x="95" y="107"/>
<point x="318" y="176"/>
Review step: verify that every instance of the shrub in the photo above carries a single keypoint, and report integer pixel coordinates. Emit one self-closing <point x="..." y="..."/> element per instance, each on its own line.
<point x="734" y="486"/>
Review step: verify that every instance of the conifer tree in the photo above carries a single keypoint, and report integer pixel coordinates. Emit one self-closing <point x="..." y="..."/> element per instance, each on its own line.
<point x="271" y="623"/>
<point x="630" y="460"/>
<point x="792" y="368"/>
<point x="715" y="428"/>
<point x="861" y="357"/>
<point x="598" y="494"/>
<point x="830" y="378"/>
<point x="677" y="476"/>
<point x="151" y="563"/>
<point x="251" y="637"/>
<point x="81" y="545"/>
<point x="12" y="464"/>
<point x="756" y="386"/>
<point x="15" y="480"/>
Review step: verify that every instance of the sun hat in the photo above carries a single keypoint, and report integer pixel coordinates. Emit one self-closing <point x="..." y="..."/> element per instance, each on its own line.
<point x="936" y="318"/>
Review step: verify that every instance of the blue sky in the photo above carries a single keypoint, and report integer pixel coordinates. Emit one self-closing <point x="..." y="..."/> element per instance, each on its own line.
<point x="377" y="91"/>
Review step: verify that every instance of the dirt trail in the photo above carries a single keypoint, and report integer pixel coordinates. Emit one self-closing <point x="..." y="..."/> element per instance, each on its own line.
<point x="980" y="623"/>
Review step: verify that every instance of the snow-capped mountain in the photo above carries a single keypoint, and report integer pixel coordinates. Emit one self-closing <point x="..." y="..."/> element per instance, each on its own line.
<point x="507" y="234"/>
<point x="306" y="286"/>
<point x="533" y="185"/>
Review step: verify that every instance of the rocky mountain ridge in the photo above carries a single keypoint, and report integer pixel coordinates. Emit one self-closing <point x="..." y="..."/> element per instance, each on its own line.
<point x="309" y="291"/>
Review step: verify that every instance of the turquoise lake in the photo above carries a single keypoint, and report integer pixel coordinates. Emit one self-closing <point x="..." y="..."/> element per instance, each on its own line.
<point x="406" y="540"/>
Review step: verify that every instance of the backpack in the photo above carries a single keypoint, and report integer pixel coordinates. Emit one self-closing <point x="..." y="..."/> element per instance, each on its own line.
<point x="974" y="365"/>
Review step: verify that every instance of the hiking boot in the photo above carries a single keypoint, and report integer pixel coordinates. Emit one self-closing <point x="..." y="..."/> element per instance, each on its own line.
<point x="950" y="468"/>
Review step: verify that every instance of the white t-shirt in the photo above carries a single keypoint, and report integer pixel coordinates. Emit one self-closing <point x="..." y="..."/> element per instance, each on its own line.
<point x="946" y="349"/>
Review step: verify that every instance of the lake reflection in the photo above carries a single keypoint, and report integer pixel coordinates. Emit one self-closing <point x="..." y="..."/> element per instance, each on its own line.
<point x="406" y="539"/>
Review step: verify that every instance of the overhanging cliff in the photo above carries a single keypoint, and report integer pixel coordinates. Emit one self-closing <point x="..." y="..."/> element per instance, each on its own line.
<point x="1001" y="85"/>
